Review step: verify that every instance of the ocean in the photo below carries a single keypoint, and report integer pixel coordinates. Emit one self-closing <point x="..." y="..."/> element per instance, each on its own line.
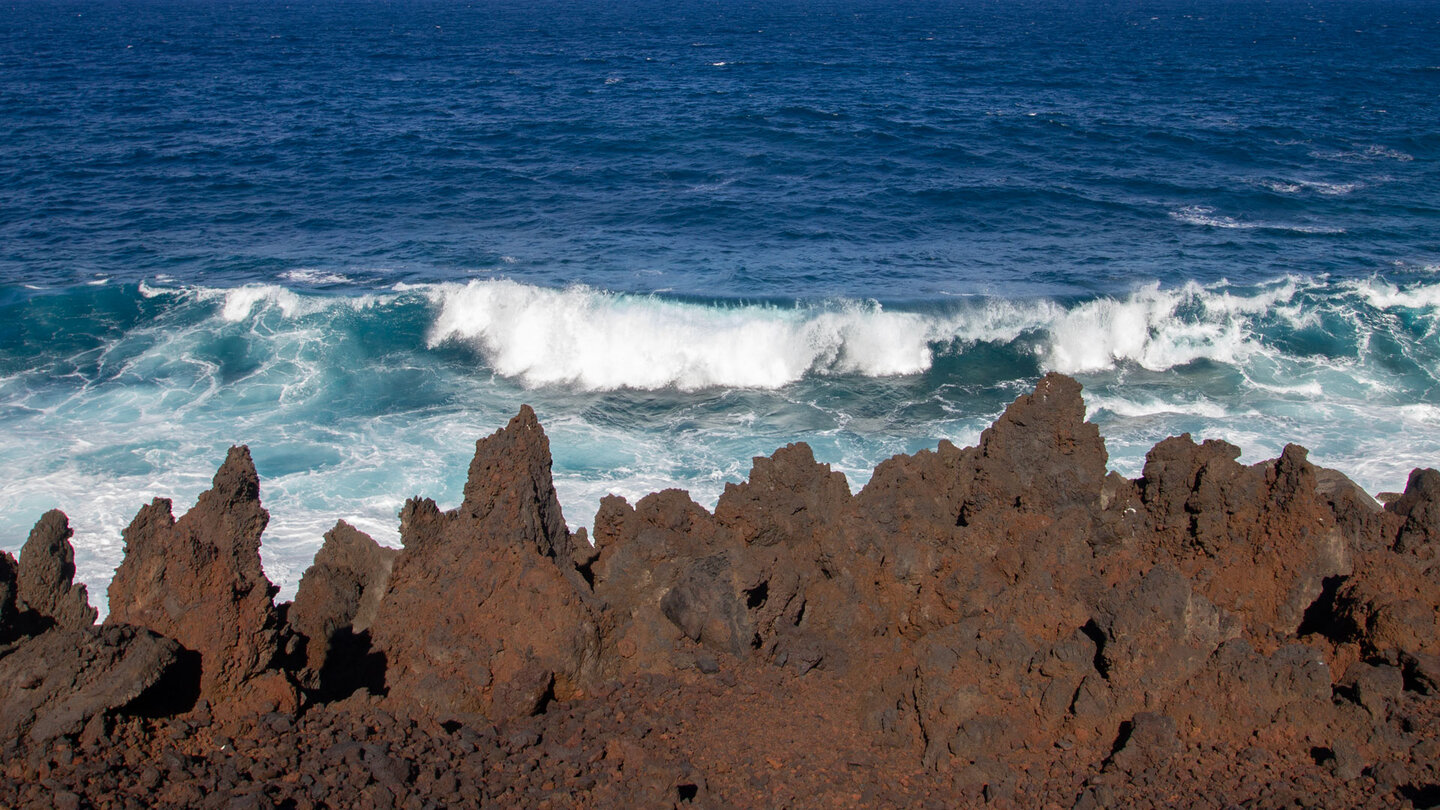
<point x="358" y="235"/>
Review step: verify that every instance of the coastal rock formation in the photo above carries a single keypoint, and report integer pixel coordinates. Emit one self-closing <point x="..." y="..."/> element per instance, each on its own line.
<point x="46" y="575"/>
<point x="1005" y="624"/>
<point x="198" y="580"/>
<point x="484" y="612"/>
<point x="64" y="679"/>
<point x="334" y="607"/>
<point x="1261" y="539"/>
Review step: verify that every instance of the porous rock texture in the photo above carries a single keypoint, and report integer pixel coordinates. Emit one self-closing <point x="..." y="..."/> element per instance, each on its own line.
<point x="483" y="613"/>
<point x="45" y="579"/>
<point x="198" y="581"/>
<point x="1007" y="624"/>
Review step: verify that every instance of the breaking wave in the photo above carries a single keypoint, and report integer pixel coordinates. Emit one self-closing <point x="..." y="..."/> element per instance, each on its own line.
<point x="594" y="340"/>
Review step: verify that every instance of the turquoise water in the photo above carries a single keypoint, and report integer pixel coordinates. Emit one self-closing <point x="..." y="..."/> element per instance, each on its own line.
<point x="358" y="236"/>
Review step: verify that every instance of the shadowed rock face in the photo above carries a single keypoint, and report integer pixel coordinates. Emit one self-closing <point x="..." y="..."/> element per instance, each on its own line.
<point x="9" y="612"/>
<point x="60" y="681"/>
<point x="1261" y="540"/>
<point x="1002" y="623"/>
<point x="484" y="611"/>
<point x="198" y="581"/>
<point x="337" y="601"/>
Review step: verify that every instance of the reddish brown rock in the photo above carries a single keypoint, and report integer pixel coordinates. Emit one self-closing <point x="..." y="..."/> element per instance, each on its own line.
<point x="198" y="580"/>
<point x="1006" y="624"/>
<point x="47" y="573"/>
<point x="1391" y="603"/>
<point x="1419" y="510"/>
<point x="484" y="601"/>
<point x="1040" y="456"/>
<point x="336" y="603"/>
<point x="665" y="572"/>
<point x="1259" y="541"/>
<point x="54" y="684"/>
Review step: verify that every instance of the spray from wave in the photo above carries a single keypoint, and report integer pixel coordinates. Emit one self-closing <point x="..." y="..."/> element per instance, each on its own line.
<point x="137" y="392"/>
<point x="592" y="340"/>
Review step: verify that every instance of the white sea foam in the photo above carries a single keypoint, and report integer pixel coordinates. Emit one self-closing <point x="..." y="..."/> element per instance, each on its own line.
<point x="604" y="341"/>
<point x="240" y="303"/>
<point x="1385" y="295"/>
<point x="336" y="432"/>
<point x="310" y="275"/>
<point x="1206" y="216"/>
<point x="1297" y="186"/>
<point x="1148" y="329"/>
<point x="596" y="340"/>
<point x="1135" y="408"/>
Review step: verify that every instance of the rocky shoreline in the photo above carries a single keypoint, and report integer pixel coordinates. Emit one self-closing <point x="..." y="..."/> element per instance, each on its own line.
<point x="1007" y="625"/>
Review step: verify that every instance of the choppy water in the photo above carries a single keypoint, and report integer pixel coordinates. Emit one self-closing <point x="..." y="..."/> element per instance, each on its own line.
<point x="357" y="236"/>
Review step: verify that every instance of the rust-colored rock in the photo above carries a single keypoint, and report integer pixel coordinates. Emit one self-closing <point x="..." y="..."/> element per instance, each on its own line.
<point x="484" y="601"/>
<point x="46" y="584"/>
<point x="198" y="580"/>
<point x="1259" y="541"/>
<point x="1008" y="624"/>
<point x="56" y="683"/>
<point x="336" y="603"/>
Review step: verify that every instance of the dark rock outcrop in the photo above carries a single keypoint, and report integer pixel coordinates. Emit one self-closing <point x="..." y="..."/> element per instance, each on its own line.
<point x="336" y="603"/>
<point x="1006" y="624"/>
<point x="58" y="682"/>
<point x="9" y="585"/>
<point x="484" y="607"/>
<point x="198" y="581"/>
<point x="1419" y="510"/>
<point x="46" y="584"/>
<point x="1259" y="541"/>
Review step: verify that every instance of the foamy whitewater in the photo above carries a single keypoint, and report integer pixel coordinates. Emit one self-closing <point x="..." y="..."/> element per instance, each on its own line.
<point x="358" y="236"/>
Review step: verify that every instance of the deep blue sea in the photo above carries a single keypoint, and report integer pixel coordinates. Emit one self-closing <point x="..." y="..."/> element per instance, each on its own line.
<point x="358" y="235"/>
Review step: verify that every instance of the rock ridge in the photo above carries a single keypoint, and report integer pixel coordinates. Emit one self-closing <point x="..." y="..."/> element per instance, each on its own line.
<point x="1006" y="624"/>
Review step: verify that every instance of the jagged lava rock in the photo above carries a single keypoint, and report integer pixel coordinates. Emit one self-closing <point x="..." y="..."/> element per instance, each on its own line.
<point x="1027" y="628"/>
<point x="1039" y="456"/>
<point x="484" y="611"/>
<point x="47" y="573"/>
<point x="199" y="581"/>
<point x="1419" y="509"/>
<point x="1259" y="541"/>
<point x="664" y="571"/>
<point x="338" y="599"/>
<point x="54" y="684"/>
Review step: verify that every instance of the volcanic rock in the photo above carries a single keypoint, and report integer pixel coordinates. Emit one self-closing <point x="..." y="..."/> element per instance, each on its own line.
<point x="198" y="580"/>
<point x="664" y="572"/>
<point x="336" y="603"/>
<point x="484" y="600"/>
<point x="1259" y="541"/>
<point x="46" y="576"/>
<point x="1419" y="509"/>
<point x="9" y="612"/>
<point x="1007" y="624"/>
<point x="55" y="683"/>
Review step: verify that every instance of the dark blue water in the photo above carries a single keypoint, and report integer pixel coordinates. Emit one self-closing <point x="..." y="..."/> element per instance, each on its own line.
<point x="358" y="235"/>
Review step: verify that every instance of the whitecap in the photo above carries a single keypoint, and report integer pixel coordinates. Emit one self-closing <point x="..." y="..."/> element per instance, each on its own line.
<point x="308" y="275"/>
<point x="606" y="341"/>
<point x="1134" y="408"/>
<point x="1147" y="329"/>
<point x="1385" y="295"/>
<point x="1205" y="216"/>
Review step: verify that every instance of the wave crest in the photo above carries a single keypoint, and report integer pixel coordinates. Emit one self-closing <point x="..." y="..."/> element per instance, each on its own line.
<point x="602" y="341"/>
<point x="594" y="340"/>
